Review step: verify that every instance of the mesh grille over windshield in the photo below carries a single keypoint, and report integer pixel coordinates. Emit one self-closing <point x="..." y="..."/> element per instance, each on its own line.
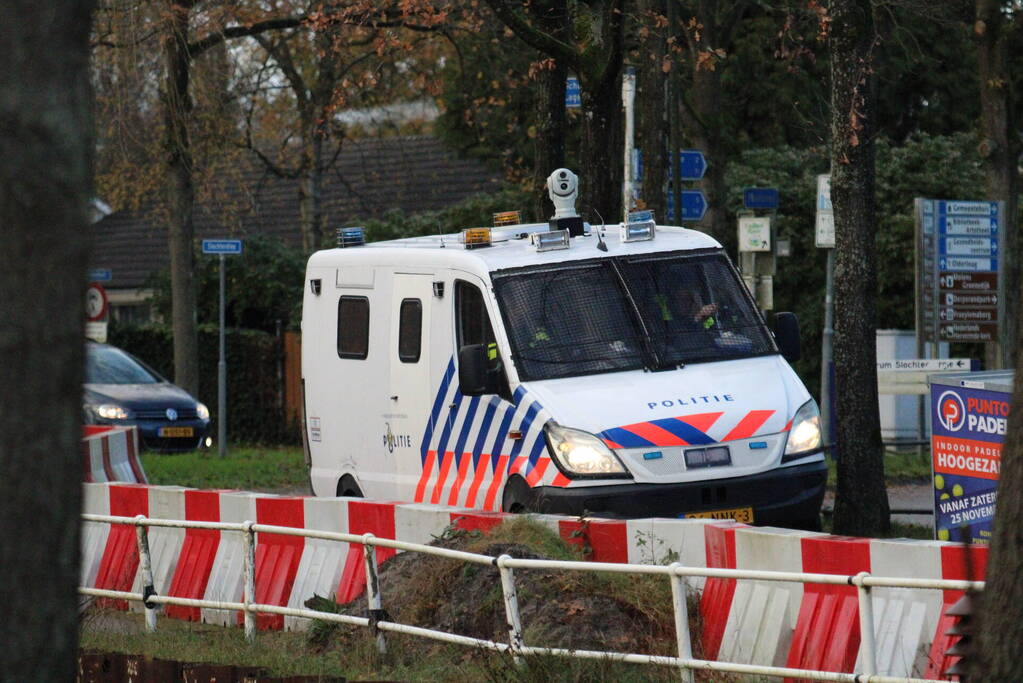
<point x="655" y="311"/>
<point x="568" y="320"/>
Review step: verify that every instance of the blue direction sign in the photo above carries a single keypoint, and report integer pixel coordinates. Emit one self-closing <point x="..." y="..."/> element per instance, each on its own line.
<point x="573" y="93"/>
<point x="100" y="275"/>
<point x="221" y="246"/>
<point x="694" y="205"/>
<point x="760" y="198"/>
<point x="967" y="246"/>
<point x="692" y="165"/>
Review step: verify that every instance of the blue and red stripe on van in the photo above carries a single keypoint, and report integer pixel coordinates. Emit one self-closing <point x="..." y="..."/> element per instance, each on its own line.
<point x="684" y="430"/>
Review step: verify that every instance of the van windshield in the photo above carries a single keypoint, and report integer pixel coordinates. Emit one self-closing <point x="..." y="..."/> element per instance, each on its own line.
<point x="654" y="311"/>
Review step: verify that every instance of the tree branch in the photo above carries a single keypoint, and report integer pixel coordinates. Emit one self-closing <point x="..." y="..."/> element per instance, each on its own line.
<point x="544" y="42"/>
<point x="198" y="47"/>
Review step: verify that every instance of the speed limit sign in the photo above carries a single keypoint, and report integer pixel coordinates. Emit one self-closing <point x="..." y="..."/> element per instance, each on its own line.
<point x="95" y="302"/>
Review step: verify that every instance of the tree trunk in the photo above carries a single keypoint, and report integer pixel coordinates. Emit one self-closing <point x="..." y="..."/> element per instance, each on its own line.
<point x="310" y="192"/>
<point x="861" y="503"/>
<point x="45" y="186"/>
<point x="601" y="153"/>
<point x="1000" y="150"/>
<point x="705" y="131"/>
<point x="652" y="107"/>
<point x="549" y="144"/>
<point x="177" y="105"/>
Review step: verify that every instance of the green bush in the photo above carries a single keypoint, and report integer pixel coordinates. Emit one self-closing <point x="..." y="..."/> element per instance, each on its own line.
<point x="254" y="393"/>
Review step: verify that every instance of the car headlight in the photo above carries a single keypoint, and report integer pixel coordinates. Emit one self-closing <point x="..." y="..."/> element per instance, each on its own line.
<point x="805" y="434"/>
<point x="111" y="411"/>
<point x="201" y="411"/>
<point x="581" y="453"/>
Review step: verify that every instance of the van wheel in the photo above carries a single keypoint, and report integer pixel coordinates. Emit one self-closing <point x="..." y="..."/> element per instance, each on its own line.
<point x="348" y="488"/>
<point x="517" y="495"/>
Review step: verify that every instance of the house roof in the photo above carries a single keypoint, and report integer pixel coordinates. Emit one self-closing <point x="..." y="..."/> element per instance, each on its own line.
<point x="369" y="177"/>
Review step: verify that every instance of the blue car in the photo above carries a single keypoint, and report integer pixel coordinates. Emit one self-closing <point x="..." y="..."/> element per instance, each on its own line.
<point x="122" y="390"/>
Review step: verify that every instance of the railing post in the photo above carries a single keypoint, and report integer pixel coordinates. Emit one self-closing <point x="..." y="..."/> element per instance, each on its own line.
<point x="146" y="567"/>
<point x="511" y="608"/>
<point x="868" y="650"/>
<point x="249" y="595"/>
<point x="376" y="610"/>
<point x="682" y="635"/>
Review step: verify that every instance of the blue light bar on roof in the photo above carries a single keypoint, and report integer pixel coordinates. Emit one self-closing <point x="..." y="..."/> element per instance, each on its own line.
<point x="351" y="237"/>
<point x="550" y="240"/>
<point x="638" y="231"/>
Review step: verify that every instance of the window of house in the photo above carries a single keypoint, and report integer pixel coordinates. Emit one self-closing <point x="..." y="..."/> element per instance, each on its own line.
<point x="353" y="327"/>
<point x="410" y="330"/>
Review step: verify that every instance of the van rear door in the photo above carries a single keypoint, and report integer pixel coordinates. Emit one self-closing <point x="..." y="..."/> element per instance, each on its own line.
<point x="409" y="388"/>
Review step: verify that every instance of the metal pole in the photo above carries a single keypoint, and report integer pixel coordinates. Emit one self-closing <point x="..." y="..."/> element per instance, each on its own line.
<point x="146" y="567"/>
<point x="628" y="101"/>
<point x="682" y="635"/>
<point x="249" y="596"/>
<point x="867" y="646"/>
<point x="826" y="355"/>
<point x="376" y="611"/>
<point x="222" y="376"/>
<point x="511" y="608"/>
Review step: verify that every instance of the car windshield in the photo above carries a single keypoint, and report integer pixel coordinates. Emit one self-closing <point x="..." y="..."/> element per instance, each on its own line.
<point x="107" y="365"/>
<point x="654" y="311"/>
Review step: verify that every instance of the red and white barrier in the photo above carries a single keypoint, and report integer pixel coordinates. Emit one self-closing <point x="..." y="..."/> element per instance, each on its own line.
<point x="111" y="454"/>
<point x="757" y="622"/>
<point x="763" y="614"/>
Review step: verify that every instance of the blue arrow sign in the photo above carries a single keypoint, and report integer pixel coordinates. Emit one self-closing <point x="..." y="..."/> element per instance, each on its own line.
<point x="100" y="275"/>
<point x="760" y="198"/>
<point x="694" y="205"/>
<point x="573" y="93"/>
<point x="221" y="246"/>
<point x="691" y="164"/>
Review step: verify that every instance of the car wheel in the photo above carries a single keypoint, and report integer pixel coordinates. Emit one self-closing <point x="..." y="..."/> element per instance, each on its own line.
<point x="348" y="488"/>
<point x="517" y="495"/>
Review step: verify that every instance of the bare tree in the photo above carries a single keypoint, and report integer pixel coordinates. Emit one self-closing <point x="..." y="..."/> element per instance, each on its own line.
<point x="595" y="54"/>
<point x="45" y="187"/>
<point x="861" y="502"/>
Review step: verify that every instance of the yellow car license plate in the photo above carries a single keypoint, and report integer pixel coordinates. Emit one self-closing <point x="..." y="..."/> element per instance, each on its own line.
<point x="176" y="431"/>
<point x="738" y="514"/>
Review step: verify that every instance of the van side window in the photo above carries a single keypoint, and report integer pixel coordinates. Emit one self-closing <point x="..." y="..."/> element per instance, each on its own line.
<point x="473" y="324"/>
<point x="410" y="330"/>
<point x="353" y="327"/>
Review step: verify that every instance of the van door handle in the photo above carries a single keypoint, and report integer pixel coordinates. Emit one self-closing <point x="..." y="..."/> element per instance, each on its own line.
<point x="394" y="398"/>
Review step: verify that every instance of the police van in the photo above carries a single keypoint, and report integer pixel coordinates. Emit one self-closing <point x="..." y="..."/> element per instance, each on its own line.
<point x="563" y="367"/>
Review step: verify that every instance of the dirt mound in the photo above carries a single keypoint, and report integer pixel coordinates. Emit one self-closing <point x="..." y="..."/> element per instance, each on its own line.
<point x="575" y="610"/>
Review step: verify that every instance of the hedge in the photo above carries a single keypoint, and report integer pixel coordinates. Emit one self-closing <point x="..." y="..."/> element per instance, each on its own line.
<point x="254" y="391"/>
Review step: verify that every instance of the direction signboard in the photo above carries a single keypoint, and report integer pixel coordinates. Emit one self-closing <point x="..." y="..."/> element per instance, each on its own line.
<point x="692" y="164"/>
<point x="824" y="233"/>
<point x="221" y="246"/>
<point x="760" y="198"/>
<point x="694" y="205"/>
<point x="958" y="287"/>
<point x="573" y="93"/>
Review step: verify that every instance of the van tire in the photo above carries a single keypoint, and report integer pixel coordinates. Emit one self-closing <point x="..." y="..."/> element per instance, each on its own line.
<point x="348" y="488"/>
<point x="517" y="495"/>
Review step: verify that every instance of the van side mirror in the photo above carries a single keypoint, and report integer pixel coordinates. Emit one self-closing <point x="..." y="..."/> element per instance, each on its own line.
<point x="786" y="333"/>
<point x="472" y="370"/>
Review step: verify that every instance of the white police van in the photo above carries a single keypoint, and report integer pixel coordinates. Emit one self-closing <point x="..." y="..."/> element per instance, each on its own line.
<point x="620" y="370"/>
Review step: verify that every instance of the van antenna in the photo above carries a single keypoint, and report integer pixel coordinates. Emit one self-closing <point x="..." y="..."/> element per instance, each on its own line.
<point x="600" y="232"/>
<point x="440" y="234"/>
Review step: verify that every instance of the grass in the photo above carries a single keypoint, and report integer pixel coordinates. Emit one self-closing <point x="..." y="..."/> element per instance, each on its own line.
<point x="900" y="467"/>
<point x="254" y="468"/>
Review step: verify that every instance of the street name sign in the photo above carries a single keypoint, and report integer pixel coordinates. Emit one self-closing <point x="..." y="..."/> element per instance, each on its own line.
<point x="573" y="93"/>
<point x="221" y="246"/>
<point x="760" y="198"/>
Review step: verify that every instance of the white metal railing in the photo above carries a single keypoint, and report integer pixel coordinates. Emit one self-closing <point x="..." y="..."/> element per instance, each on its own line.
<point x="506" y="565"/>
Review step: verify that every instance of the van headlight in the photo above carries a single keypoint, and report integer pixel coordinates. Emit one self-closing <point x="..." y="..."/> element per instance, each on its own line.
<point x="580" y="453"/>
<point x="805" y="434"/>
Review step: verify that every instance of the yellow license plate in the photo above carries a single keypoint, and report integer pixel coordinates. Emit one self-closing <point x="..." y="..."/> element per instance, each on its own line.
<point x="176" y="431"/>
<point x="738" y="514"/>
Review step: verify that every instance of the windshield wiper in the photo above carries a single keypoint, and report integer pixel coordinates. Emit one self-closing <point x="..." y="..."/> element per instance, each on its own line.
<point x="656" y="362"/>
